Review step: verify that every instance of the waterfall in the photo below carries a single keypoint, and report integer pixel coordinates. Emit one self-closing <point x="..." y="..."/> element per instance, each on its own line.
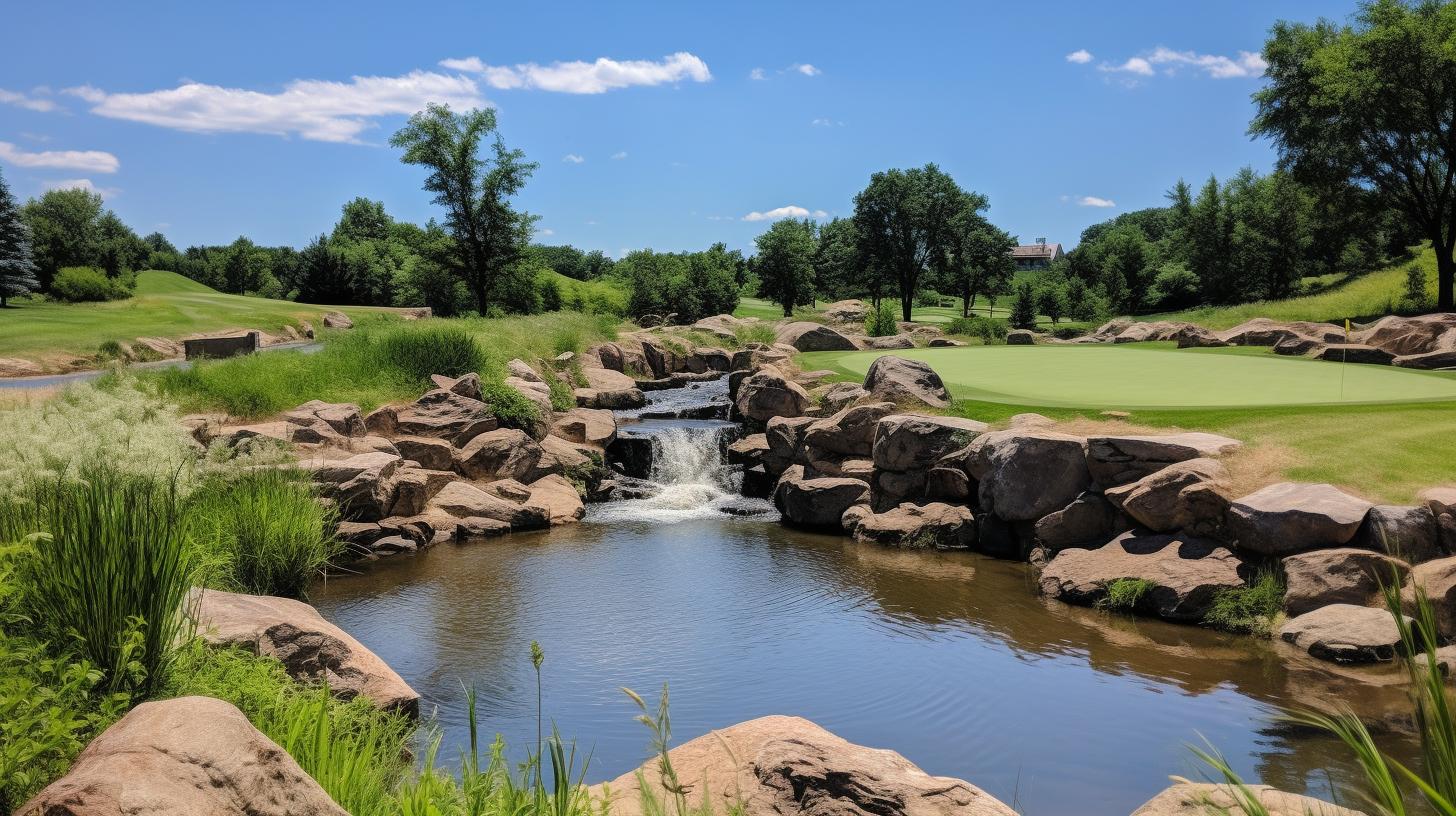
<point x="689" y="477"/>
<point x="689" y="456"/>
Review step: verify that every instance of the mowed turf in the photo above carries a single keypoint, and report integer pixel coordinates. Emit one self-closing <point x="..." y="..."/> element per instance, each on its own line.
<point x="165" y="305"/>
<point x="1287" y="411"/>
<point x="1128" y="377"/>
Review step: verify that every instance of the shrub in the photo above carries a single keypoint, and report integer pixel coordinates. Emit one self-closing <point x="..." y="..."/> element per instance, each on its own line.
<point x="881" y="321"/>
<point x="106" y="564"/>
<point x="1252" y="609"/>
<point x="756" y="332"/>
<point x="990" y="330"/>
<point x="1023" y="307"/>
<point x="428" y="348"/>
<point x="1415" y="288"/>
<point x="262" y="531"/>
<point x="85" y="284"/>
<point x="1124" y="594"/>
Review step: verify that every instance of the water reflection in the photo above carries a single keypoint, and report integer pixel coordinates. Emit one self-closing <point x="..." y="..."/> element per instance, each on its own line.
<point x="949" y="658"/>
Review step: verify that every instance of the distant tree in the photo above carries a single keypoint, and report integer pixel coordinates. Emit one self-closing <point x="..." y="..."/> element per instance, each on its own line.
<point x="118" y="248"/>
<point x="1209" y="236"/>
<point x="1373" y="102"/>
<point x="425" y="278"/>
<point x="64" y="230"/>
<point x="596" y="264"/>
<point x="904" y="220"/>
<point x="1126" y="266"/>
<point x="785" y="263"/>
<point x="714" y="274"/>
<point x="1180" y="214"/>
<point x="1174" y="287"/>
<point x="363" y="220"/>
<point x="1023" y="308"/>
<point x="1051" y="300"/>
<point x="979" y="261"/>
<point x="17" y="266"/>
<point x="490" y="234"/>
<point x="836" y="260"/>
<point x="157" y="242"/>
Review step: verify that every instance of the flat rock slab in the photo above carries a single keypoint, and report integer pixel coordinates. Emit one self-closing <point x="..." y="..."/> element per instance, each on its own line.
<point x="819" y="503"/>
<point x="1343" y="575"/>
<point x="1354" y="353"/>
<point x="931" y="526"/>
<point x="309" y="647"/>
<point x="1202" y="799"/>
<point x="189" y="756"/>
<point x="1117" y="460"/>
<point x="1345" y="633"/>
<point x="788" y="766"/>
<point x="916" y="441"/>
<point x="1291" y="516"/>
<point x="1186" y="573"/>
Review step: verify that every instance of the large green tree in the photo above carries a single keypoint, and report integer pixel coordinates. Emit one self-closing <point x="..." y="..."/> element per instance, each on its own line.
<point x="489" y="233"/>
<point x="785" y="263"/>
<point x="65" y="230"/>
<point x="904" y="220"/>
<point x="837" y="263"/>
<point x="17" y="267"/>
<point x="980" y="261"/>
<point x="1374" y="101"/>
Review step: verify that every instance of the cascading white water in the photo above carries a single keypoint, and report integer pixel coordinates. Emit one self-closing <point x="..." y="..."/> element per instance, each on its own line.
<point x="692" y="481"/>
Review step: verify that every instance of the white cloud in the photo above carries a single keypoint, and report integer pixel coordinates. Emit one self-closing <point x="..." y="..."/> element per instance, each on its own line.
<point x="28" y="102"/>
<point x="572" y="158"/>
<point x="81" y="184"/>
<point x="580" y="77"/>
<point x="546" y="232"/>
<point x="1081" y="56"/>
<point x="805" y="68"/>
<point x="757" y="73"/>
<point x="789" y="211"/>
<point x="321" y="110"/>
<point x="825" y="121"/>
<point x="87" y="161"/>
<point x="619" y="155"/>
<point x="1245" y="65"/>
<point x="1094" y="201"/>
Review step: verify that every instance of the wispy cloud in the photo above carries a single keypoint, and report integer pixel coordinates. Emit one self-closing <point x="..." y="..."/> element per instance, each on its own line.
<point x="81" y="184"/>
<point x="805" y="68"/>
<point x="580" y="77"/>
<point x="1245" y="65"/>
<point x="619" y="155"/>
<point x="824" y="121"/>
<point x="86" y="161"/>
<point x="789" y="211"/>
<point x="29" y="102"/>
<point x="1081" y="56"/>
<point x="1094" y="201"/>
<point x="757" y="73"/>
<point x="320" y="110"/>
<point x="572" y="158"/>
<point x="547" y="232"/>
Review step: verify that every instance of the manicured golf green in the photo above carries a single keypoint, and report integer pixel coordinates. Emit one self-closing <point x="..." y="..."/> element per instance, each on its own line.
<point x="1124" y="377"/>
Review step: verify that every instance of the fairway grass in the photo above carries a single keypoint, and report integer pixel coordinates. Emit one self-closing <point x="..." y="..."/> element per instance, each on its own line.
<point x="1387" y="440"/>
<point x="165" y="305"/>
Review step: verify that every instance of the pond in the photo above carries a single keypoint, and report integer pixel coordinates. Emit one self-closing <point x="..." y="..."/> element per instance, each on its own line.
<point x="952" y="659"/>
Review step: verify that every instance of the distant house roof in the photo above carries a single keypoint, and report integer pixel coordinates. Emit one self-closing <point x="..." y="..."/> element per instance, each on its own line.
<point x="1033" y="251"/>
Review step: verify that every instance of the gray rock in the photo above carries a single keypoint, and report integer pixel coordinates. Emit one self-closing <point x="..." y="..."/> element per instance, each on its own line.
<point x="1088" y="520"/>
<point x="906" y="382"/>
<point x="785" y="438"/>
<point x="1187" y="573"/>
<point x="1290" y="516"/>
<point x="1343" y="575"/>
<point x="1407" y="532"/>
<point x="819" y="503"/>
<point x="768" y="394"/>
<point x="806" y="336"/>
<point x="905" y="442"/>
<point x="1020" y="337"/>
<point x="849" y="432"/>
<point x="1344" y="633"/>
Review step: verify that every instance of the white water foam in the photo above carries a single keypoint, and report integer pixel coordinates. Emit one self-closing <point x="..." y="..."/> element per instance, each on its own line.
<point x="687" y="465"/>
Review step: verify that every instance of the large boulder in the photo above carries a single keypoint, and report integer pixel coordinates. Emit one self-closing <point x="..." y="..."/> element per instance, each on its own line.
<point x="586" y="426"/>
<point x="188" y="756"/>
<point x="1411" y="335"/>
<point x="1117" y="460"/>
<point x="1428" y="361"/>
<point x="1026" y="474"/>
<point x="414" y="487"/>
<point x="1020" y="337"/>
<point x="1164" y="501"/>
<point x="846" y="311"/>
<point x="850" y="431"/>
<point x="361" y="486"/>
<point x="1441" y="501"/>
<point x="819" y="503"/>
<point x="1437" y="581"/>
<point x="309" y="647"/>
<point x="1354" y="353"/>
<point x="425" y="451"/>
<point x="1089" y="519"/>
<point x="1343" y="575"/>
<point x="341" y="418"/>
<point x="806" y="336"/>
<point x="931" y="526"/>
<point x="558" y="498"/>
<point x="912" y="442"/>
<point x="1290" y="516"/>
<point x="1261" y="331"/>
<point x="1409" y="532"/>
<point x="1345" y="633"/>
<point x="440" y="414"/>
<point x="785" y="439"/>
<point x="506" y="453"/>
<point x="906" y="382"/>
<point x="767" y="394"/>
<point x="1186" y="573"/>
<point x="787" y="766"/>
<point x="463" y="500"/>
<point x="1204" y="798"/>
<point x="1143" y="332"/>
<point x="1193" y="336"/>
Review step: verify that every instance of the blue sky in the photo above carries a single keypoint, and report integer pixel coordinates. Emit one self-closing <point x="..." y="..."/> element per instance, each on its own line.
<point x="664" y="125"/>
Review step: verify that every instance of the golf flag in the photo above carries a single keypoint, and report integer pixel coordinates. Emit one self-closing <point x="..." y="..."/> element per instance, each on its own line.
<point x="1347" y="330"/>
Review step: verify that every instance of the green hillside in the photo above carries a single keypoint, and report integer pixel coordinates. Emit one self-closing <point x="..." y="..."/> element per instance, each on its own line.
<point x="165" y="305"/>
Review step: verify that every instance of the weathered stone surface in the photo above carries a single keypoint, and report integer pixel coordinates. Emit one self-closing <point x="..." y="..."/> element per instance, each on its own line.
<point x="1343" y="575"/>
<point x="464" y="501"/>
<point x="1088" y="520"/>
<point x="1020" y="337"/>
<point x="1354" y="353"/>
<point x="1186" y="573"/>
<point x="1422" y="334"/>
<point x="1437" y="580"/>
<point x="1292" y="516"/>
<point x="441" y="414"/>
<point x="905" y="442"/>
<point x="428" y="452"/>
<point x="1442" y="503"/>
<point x="414" y="487"/>
<point x="1430" y="360"/>
<point x="1117" y="460"/>
<point x="1344" y="633"/>
<point x="606" y="379"/>
<point x="838" y="396"/>
<point x="785" y="438"/>
<point x="537" y="393"/>
<point x="846" y="311"/>
<point x="849" y="432"/>
<point x="342" y="418"/>
<point x="748" y="450"/>
<point x="806" y="336"/>
<point x="1407" y="532"/>
<point x="1144" y="331"/>
<point x="906" y="382"/>
<point x="309" y="647"/>
<point x="945" y="342"/>
<point x="188" y="756"/>
<point x="469" y="384"/>
<point x="947" y="484"/>
<point x="1202" y="798"/>
<point x="615" y="400"/>
<point x="892" y="342"/>
<point x="560" y="456"/>
<point x="558" y="498"/>
<point x="361" y="485"/>
<point x="787" y="766"/>
<point x="819" y="503"/>
<point x="1192" y="336"/>
<point x="16" y="367"/>
<point x="935" y="526"/>
<point x="1026" y="474"/>
<point x="506" y="453"/>
<point x="1157" y="500"/>
<point x="337" y="320"/>
<point x="1261" y="331"/>
<point x="768" y="394"/>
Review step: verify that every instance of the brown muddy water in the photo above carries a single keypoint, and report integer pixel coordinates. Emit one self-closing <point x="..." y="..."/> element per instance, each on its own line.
<point x="949" y="658"/>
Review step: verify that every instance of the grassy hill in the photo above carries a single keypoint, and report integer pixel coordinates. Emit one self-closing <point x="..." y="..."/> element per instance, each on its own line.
<point x="604" y="295"/>
<point x="165" y="305"/>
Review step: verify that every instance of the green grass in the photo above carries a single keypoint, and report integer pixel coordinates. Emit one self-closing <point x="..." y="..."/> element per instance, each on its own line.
<point x="165" y="305"/>
<point x="601" y="296"/>
<point x="1366" y="297"/>
<point x="1124" y="594"/>
<point x="1385" y="451"/>
<point x="767" y="309"/>
<point x="1251" y="609"/>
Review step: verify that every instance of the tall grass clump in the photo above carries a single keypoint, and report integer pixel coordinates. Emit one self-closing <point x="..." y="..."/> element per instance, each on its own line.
<point x="881" y="321"/>
<point x="431" y="347"/>
<point x="1250" y="609"/>
<point x="105" y="565"/>
<point x="262" y="531"/>
<point x="114" y="421"/>
<point x="757" y="332"/>
<point x="1124" y="594"/>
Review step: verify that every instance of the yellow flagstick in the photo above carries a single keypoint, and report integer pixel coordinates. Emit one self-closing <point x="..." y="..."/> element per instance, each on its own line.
<point x="1344" y="357"/>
